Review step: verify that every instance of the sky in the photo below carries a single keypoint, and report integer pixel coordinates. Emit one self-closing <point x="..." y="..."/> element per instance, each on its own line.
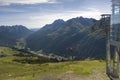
<point x="37" y="13"/>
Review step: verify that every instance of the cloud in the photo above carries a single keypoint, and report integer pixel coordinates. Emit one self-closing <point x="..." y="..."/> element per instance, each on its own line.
<point x="8" y="2"/>
<point x="11" y="10"/>
<point x="91" y="13"/>
<point x="41" y="20"/>
<point x="41" y="12"/>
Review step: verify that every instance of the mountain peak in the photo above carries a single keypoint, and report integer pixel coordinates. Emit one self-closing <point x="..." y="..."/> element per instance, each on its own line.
<point x="59" y="21"/>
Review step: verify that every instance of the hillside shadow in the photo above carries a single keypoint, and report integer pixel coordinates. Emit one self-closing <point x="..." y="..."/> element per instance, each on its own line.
<point x="34" y="60"/>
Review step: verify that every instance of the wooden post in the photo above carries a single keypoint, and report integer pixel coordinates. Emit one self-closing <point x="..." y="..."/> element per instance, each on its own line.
<point x="106" y="26"/>
<point x="108" y="55"/>
<point x="116" y="64"/>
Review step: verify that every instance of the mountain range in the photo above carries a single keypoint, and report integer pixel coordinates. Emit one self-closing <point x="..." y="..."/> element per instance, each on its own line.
<point x="80" y="37"/>
<point x="10" y="34"/>
<point x="74" y="37"/>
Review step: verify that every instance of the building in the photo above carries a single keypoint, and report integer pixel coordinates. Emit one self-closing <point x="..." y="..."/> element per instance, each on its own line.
<point x="115" y="24"/>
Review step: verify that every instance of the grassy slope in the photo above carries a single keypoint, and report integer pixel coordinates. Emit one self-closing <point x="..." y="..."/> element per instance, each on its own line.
<point x="11" y="70"/>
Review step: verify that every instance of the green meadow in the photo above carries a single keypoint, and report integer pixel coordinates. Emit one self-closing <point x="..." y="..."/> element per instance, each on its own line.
<point x="33" y="68"/>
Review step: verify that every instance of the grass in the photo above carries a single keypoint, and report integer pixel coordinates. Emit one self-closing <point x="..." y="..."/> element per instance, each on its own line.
<point x="15" y="70"/>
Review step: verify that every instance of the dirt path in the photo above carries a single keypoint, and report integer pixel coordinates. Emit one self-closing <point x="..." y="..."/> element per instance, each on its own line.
<point x="95" y="75"/>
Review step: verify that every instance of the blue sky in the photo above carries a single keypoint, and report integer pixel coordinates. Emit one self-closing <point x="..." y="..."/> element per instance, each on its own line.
<point x="37" y="13"/>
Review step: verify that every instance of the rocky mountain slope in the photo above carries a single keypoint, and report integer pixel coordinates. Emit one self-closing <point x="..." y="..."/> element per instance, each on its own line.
<point x="75" y="37"/>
